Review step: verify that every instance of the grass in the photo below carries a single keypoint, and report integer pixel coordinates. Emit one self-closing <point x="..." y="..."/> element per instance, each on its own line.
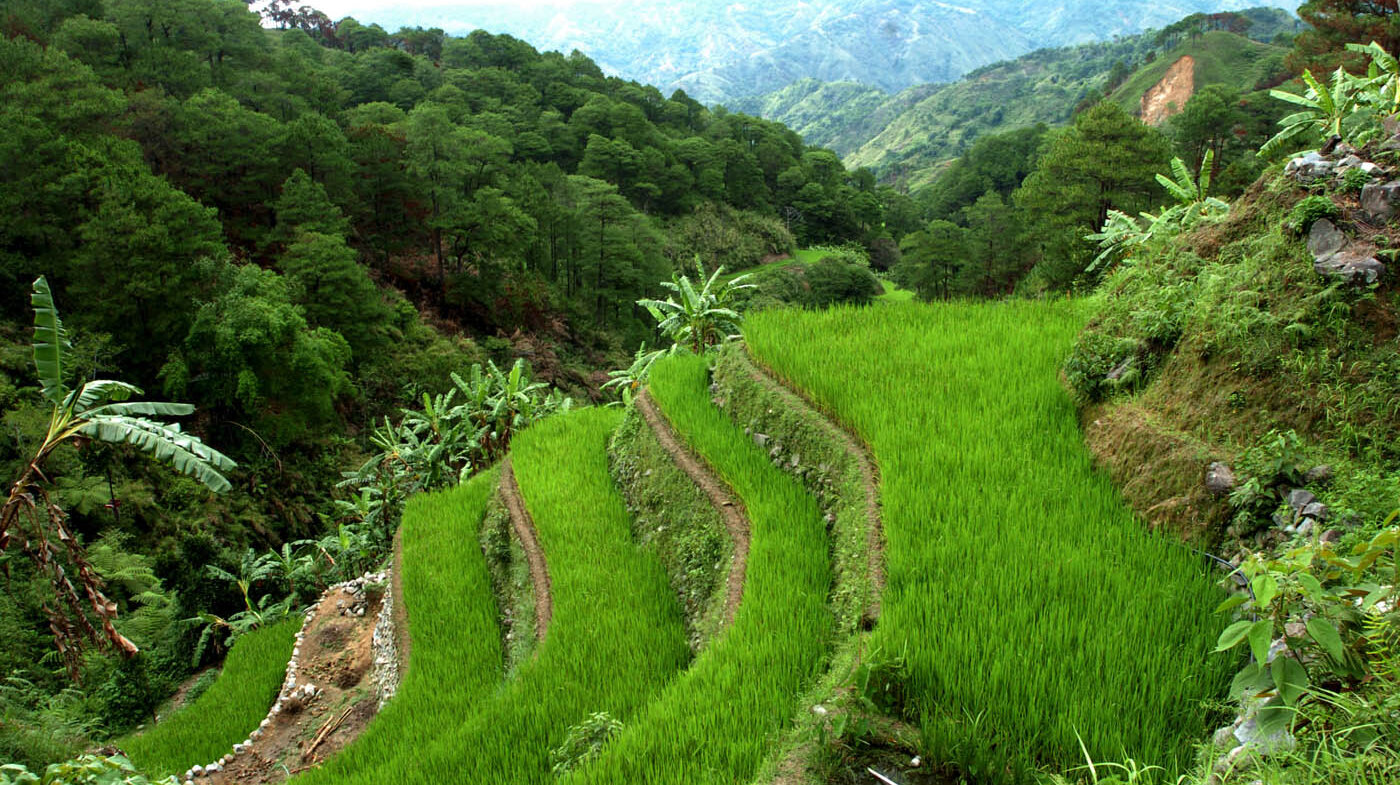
<point x="226" y="713"/>
<point x="894" y="294"/>
<point x="456" y="655"/>
<point x="1220" y="57"/>
<point x="715" y="723"/>
<point x="615" y="639"/>
<point x="1029" y="606"/>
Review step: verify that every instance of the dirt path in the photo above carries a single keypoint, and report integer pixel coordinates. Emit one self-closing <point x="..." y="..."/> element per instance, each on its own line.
<point x="870" y="479"/>
<point x="730" y="508"/>
<point x="337" y="656"/>
<point x="403" y="641"/>
<point x="524" y="527"/>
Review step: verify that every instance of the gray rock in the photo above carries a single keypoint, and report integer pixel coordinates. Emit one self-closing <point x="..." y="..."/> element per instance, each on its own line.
<point x="1380" y="201"/>
<point x="1353" y="266"/>
<point x="1330" y="536"/>
<point x="1225" y="737"/>
<point x="1306" y="526"/>
<point x="1298" y="498"/>
<point x="1220" y="480"/>
<point x="1370" y="168"/>
<point x="1309" y="168"/>
<point x="1349" y="162"/>
<point x="1316" y="510"/>
<point x="1117" y="373"/>
<point x="761" y="439"/>
<point x="1319" y="474"/>
<point x="1325" y="239"/>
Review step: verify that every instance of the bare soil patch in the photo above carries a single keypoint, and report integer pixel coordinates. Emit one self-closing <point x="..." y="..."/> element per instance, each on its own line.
<point x="731" y="510"/>
<point x="524" y="527"/>
<point x="336" y="655"/>
<point x="1170" y="95"/>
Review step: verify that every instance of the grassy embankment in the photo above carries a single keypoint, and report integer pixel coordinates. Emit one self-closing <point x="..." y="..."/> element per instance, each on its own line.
<point x="1025" y="606"/>
<point x="714" y="724"/>
<point x="616" y="636"/>
<point x="225" y="714"/>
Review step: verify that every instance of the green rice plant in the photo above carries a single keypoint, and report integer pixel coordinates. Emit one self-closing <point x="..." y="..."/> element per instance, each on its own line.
<point x="715" y="722"/>
<point x="615" y="638"/>
<point x="1030" y="607"/>
<point x="225" y="714"/>
<point x="455" y="655"/>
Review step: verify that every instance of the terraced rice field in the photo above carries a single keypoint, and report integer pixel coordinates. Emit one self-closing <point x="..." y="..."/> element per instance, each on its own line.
<point x="235" y="704"/>
<point x="615" y="639"/>
<point x="715" y="722"/>
<point x="1029" y="608"/>
<point x="456" y="641"/>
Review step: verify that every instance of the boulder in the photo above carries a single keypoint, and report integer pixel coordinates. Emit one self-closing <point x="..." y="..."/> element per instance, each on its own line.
<point x="1220" y="480"/>
<point x="1309" y="168"/>
<point x="1316" y="510"/>
<point x="1318" y="475"/>
<point x="1353" y="266"/>
<point x="1380" y="201"/>
<point x="1325" y="239"/>
<point x="1299" y="498"/>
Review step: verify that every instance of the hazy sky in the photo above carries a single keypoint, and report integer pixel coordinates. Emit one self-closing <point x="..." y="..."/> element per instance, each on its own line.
<point x="337" y="9"/>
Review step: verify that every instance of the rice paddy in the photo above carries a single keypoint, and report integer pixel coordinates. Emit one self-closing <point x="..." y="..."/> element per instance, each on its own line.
<point x="234" y="705"/>
<point x="1029" y="608"/>
<point x="453" y="619"/>
<point x="615" y="639"/>
<point x="715" y="723"/>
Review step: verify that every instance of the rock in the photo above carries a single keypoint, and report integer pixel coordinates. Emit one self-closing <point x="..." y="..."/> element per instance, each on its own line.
<point x="1309" y="168"/>
<point x="761" y="439"/>
<point x="1325" y="239"/>
<point x="1306" y="526"/>
<point x="197" y="770"/>
<point x="1370" y="168"/>
<point x="213" y="768"/>
<point x="1118" y="371"/>
<point x="1318" y="475"/>
<point x="1350" y="162"/>
<point x="1220" y="480"/>
<point x="1295" y="629"/>
<point x="1298" y="498"/>
<point x="1380" y="201"/>
<point x="1330" y="536"/>
<point x="1316" y="511"/>
<point x="1224" y="737"/>
<point x="819" y="710"/>
<point x="1229" y="760"/>
<point x="1352" y="266"/>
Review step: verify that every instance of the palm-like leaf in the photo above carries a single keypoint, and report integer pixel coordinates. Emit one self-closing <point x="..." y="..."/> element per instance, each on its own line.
<point x="166" y="443"/>
<point x="50" y="341"/>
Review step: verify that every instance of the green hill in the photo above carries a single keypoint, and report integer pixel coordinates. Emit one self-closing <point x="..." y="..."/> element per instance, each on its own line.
<point x="1219" y="57"/>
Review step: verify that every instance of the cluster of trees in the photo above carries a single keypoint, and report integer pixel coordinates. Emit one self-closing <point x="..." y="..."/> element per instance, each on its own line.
<point x="300" y="230"/>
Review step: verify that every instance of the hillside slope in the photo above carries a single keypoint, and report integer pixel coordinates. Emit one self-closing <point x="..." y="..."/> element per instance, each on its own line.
<point x="723" y="51"/>
<point x="921" y="127"/>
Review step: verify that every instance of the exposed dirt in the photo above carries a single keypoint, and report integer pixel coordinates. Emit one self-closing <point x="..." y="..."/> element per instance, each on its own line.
<point x="524" y="527"/>
<point x="336" y="654"/>
<point x="403" y="641"/>
<point x="870" y="479"/>
<point x="731" y="510"/>
<point x="1170" y="95"/>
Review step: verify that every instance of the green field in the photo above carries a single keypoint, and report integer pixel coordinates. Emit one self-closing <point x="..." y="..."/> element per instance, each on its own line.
<point x="894" y="294"/>
<point x="714" y="724"/>
<point x="456" y="641"/>
<point x="226" y="713"/>
<point x="615" y="639"/>
<point x="1029" y="608"/>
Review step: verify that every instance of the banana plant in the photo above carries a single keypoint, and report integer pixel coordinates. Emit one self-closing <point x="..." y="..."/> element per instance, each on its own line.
<point x="698" y="319"/>
<point x="627" y="380"/>
<point x="1323" y="111"/>
<point x="100" y="410"/>
<point x="1380" y="87"/>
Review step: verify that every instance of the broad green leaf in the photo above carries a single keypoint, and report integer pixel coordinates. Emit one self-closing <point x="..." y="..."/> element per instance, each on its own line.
<point x="1290" y="678"/>
<point x="1326" y="635"/>
<point x="1265" y="589"/>
<point x="1251" y="680"/>
<point x="50" y="341"/>
<point x="1274" y="717"/>
<point x="166" y="443"/>
<point x="1261" y="635"/>
<point x="1230" y="603"/>
<point x="1233" y="635"/>
<point x="1312" y="587"/>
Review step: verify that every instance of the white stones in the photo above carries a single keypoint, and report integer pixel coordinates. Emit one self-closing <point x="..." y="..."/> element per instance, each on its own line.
<point x="819" y="710"/>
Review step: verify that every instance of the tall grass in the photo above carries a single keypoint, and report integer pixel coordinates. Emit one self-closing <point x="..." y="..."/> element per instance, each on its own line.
<point x="715" y="722"/>
<point x="1030" y="607"/>
<point x="616" y="636"/>
<point x="226" y="713"/>
<point x="456" y="657"/>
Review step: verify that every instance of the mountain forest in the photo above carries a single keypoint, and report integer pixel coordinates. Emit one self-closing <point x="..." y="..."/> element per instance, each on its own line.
<point x="419" y="407"/>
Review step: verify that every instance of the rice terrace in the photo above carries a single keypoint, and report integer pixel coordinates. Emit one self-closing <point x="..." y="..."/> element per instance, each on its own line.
<point x="652" y="392"/>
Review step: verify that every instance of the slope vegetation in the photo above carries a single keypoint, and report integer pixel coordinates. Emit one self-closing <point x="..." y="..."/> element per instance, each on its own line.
<point x="1027" y="607"/>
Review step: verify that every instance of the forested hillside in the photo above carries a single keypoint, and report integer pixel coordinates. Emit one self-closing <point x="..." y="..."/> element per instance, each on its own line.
<point x="907" y="136"/>
<point x="299" y="230"/>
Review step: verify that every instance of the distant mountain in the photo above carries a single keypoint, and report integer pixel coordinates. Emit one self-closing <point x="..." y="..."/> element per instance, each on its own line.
<point x="906" y="136"/>
<point x="721" y="51"/>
